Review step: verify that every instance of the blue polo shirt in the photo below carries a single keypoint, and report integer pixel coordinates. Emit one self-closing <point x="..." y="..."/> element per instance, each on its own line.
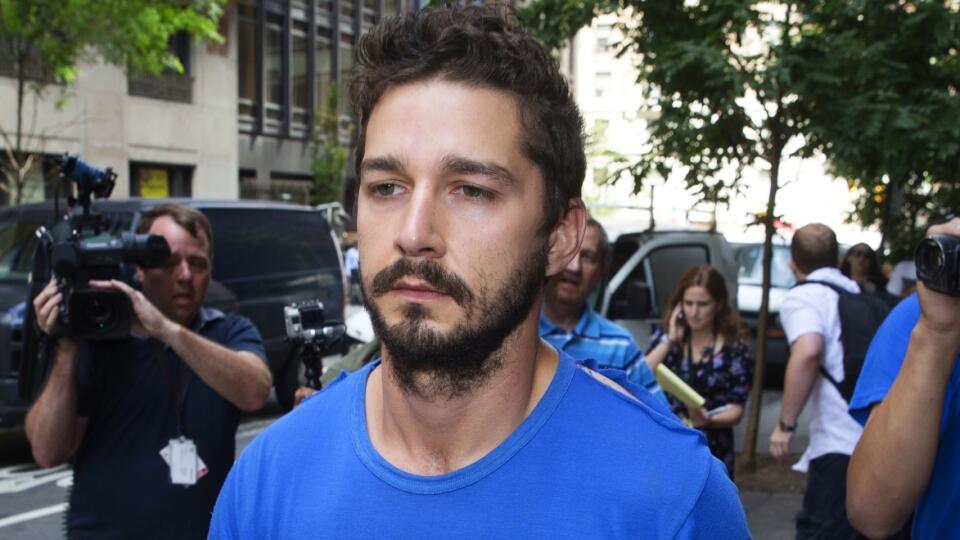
<point x="606" y="342"/>
<point x="128" y="392"/>
<point x="936" y="513"/>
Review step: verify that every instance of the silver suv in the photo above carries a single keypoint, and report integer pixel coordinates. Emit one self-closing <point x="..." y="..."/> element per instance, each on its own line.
<point x="646" y="267"/>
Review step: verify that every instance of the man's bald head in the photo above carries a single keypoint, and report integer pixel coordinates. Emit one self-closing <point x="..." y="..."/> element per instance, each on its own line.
<point x="814" y="246"/>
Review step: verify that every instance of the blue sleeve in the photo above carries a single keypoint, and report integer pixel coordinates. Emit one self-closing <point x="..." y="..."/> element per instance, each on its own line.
<point x="884" y="358"/>
<point x="242" y="335"/>
<point x="718" y="513"/>
<point x="223" y="524"/>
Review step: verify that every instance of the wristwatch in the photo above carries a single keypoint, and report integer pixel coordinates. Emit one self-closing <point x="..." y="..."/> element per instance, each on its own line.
<point x="789" y="428"/>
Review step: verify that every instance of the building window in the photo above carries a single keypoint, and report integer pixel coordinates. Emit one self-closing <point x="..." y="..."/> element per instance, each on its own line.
<point x="167" y="85"/>
<point x="289" y="56"/>
<point x="160" y="180"/>
<point x="601" y="84"/>
<point x="346" y="72"/>
<point x="247" y="80"/>
<point x="604" y="37"/>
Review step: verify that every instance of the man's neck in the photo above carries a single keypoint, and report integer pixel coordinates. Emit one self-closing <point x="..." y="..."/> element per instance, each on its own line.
<point x="433" y="436"/>
<point x="564" y="315"/>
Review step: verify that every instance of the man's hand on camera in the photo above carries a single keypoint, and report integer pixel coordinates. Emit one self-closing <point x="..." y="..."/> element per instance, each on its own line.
<point x="148" y="320"/>
<point x="46" y="306"/>
<point x="940" y="313"/>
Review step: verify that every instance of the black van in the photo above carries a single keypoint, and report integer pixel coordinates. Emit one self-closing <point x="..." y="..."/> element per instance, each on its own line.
<point x="266" y="255"/>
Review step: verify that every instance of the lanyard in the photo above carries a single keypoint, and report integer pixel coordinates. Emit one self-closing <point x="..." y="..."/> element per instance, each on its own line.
<point x="181" y="382"/>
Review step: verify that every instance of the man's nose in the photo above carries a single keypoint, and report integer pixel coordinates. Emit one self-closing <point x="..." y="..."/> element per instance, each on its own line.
<point x="419" y="232"/>
<point x="182" y="270"/>
<point x="574" y="265"/>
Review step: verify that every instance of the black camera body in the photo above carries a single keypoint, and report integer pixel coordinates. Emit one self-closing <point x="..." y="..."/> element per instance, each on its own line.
<point x="77" y="249"/>
<point x="938" y="263"/>
<point x="312" y="336"/>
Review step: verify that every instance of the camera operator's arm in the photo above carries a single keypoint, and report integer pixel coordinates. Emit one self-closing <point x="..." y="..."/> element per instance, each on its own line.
<point x="241" y="377"/>
<point x="892" y="463"/>
<point x="53" y="427"/>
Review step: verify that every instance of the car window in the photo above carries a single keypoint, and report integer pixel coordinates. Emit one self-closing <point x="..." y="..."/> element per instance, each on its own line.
<point x="669" y="264"/>
<point x="258" y="242"/>
<point x="750" y="261"/>
<point x="641" y="297"/>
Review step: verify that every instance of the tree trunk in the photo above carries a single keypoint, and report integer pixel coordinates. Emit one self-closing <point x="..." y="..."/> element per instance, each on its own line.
<point x="17" y="165"/>
<point x="748" y="459"/>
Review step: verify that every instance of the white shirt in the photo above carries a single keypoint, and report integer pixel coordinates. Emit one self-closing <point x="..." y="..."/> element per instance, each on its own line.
<point x="351" y="259"/>
<point x="903" y="277"/>
<point x="812" y="309"/>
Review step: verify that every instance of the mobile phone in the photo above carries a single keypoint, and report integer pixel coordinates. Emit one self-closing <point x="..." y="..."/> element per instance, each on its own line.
<point x="682" y="319"/>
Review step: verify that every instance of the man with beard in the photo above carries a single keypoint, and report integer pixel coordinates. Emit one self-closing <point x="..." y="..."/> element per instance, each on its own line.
<point x="572" y="326"/>
<point x="470" y="162"/>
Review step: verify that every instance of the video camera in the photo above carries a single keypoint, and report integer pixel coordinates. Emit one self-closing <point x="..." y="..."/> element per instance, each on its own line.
<point x="311" y="335"/>
<point x="938" y="263"/>
<point x="79" y="248"/>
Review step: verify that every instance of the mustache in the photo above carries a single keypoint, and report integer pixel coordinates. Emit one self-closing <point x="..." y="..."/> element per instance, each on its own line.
<point x="430" y="271"/>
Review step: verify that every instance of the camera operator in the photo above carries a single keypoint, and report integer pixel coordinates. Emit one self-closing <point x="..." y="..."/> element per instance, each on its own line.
<point x="908" y="458"/>
<point x="149" y="421"/>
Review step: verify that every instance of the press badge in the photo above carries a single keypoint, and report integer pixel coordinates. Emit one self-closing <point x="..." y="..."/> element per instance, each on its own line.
<point x="183" y="461"/>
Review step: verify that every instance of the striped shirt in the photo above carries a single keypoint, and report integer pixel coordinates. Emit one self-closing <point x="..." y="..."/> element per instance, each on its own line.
<point x="608" y="343"/>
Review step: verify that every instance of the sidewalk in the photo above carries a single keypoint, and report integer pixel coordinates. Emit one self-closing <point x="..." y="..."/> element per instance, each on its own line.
<point x="773" y="494"/>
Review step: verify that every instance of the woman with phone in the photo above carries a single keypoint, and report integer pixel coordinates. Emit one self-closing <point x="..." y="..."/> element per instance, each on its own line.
<point x="701" y="340"/>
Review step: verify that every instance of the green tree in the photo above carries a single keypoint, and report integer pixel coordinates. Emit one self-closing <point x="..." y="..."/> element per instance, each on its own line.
<point x="329" y="156"/>
<point x="882" y="103"/>
<point x="870" y="83"/>
<point x="43" y="42"/>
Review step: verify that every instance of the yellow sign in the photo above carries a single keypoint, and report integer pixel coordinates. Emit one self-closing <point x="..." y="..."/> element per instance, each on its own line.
<point x="154" y="183"/>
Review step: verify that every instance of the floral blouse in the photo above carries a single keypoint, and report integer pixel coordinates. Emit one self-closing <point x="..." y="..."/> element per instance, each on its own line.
<point x="723" y="378"/>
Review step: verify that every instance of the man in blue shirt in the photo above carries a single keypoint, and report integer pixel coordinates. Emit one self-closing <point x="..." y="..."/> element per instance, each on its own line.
<point x="568" y="323"/>
<point x="908" y="397"/>
<point x="470" y="163"/>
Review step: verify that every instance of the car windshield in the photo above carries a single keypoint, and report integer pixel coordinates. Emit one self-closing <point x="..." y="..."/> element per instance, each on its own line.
<point x="750" y="259"/>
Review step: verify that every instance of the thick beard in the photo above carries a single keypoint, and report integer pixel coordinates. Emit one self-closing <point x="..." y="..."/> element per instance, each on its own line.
<point x="431" y="364"/>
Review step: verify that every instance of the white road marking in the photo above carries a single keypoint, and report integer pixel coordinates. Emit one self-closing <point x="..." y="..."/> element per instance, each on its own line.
<point x="28" y="476"/>
<point x="32" y="514"/>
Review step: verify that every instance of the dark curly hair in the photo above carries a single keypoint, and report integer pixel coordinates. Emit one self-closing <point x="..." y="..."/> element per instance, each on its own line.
<point x="482" y="46"/>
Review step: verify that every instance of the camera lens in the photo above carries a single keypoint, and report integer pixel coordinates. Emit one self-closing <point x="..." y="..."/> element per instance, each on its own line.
<point x="98" y="311"/>
<point x="930" y="258"/>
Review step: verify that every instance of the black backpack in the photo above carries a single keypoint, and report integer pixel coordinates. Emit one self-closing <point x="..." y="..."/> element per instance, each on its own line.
<point x="860" y="316"/>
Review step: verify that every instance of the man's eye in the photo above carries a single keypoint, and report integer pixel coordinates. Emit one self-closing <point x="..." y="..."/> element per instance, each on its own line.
<point x="385" y="189"/>
<point x="473" y="192"/>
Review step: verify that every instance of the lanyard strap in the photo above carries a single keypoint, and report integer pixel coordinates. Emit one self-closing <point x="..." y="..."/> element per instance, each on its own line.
<point x="181" y="381"/>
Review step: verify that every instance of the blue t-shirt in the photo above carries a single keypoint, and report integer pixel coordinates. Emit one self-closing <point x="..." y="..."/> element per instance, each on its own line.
<point x="127" y="390"/>
<point x="611" y="345"/>
<point x="588" y="462"/>
<point x="936" y="514"/>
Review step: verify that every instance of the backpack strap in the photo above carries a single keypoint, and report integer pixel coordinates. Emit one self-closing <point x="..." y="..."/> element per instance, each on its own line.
<point x="840" y="291"/>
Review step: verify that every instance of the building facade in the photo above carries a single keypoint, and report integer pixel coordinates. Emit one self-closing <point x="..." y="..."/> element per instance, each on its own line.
<point x="238" y="123"/>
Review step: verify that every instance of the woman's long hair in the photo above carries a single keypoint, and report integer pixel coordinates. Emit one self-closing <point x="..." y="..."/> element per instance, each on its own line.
<point x="726" y="322"/>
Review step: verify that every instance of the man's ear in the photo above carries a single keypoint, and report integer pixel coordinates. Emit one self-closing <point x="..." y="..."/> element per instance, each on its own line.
<point x="566" y="237"/>
<point x="796" y="271"/>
